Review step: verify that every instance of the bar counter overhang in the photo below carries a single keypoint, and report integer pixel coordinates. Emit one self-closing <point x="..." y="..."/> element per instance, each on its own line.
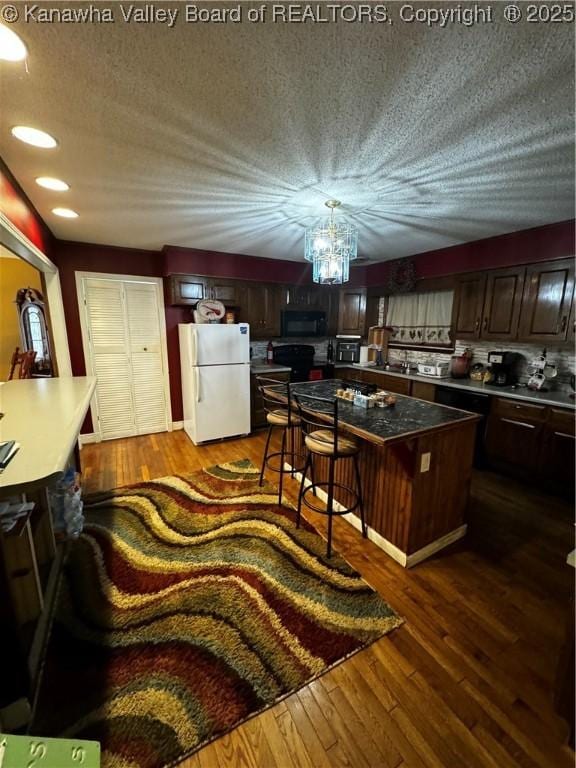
<point x="415" y="466"/>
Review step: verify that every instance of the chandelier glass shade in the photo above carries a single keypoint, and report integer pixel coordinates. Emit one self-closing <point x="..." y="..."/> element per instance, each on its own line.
<point x="330" y="247"/>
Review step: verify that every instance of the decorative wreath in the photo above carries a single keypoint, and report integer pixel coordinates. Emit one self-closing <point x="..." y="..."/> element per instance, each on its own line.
<point x="402" y="278"/>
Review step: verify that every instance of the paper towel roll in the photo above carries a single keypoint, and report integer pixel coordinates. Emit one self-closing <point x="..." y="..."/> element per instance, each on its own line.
<point x="364" y="354"/>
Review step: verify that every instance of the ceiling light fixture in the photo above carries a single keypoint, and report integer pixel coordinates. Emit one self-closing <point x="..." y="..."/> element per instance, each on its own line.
<point x="34" y="136"/>
<point x="330" y="247"/>
<point x="11" y="47"/>
<point x="66" y="213"/>
<point x="56" y="185"/>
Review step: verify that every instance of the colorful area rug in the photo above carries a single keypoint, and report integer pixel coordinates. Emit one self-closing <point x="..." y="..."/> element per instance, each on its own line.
<point x="187" y="605"/>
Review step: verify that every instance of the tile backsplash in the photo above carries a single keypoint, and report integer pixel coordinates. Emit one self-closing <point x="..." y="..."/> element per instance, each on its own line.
<point x="259" y="347"/>
<point x="561" y="355"/>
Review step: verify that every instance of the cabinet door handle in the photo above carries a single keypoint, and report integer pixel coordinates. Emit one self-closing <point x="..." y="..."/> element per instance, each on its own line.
<point x="519" y="423"/>
<point x="564" y="322"/>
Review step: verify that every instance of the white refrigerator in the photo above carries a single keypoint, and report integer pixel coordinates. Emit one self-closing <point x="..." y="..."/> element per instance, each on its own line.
<point x="215" y="363"/>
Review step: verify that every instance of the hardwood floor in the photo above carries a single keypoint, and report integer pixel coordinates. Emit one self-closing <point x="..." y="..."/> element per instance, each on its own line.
<point x="466" y="681"/>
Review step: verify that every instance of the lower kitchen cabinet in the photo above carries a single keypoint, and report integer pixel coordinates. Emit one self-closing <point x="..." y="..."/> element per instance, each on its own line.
<point x="533" y="442"/>
<point x="558" y="451"/>
<point x="514" y="435"/>
<point x="257" y="412"/>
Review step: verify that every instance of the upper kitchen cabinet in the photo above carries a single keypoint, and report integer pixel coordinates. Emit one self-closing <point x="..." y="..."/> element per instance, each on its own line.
<point x="261" y="309"/>
<point x="229" y="292"/>
<point x="546" y="305"/>
<point x="468" y="306"/>
<point x="352" y="311"/>
<point x="187" y="289"/>
<point x="502" y="304"/>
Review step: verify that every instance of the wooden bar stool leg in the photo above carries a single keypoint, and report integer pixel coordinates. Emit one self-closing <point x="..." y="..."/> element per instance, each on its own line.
<point x="360" y="498"/>
<point x="330" y="504"/>
<point x="307" y="463"/>
<point x="282" y="458"/>
<point x="265" y="455"/>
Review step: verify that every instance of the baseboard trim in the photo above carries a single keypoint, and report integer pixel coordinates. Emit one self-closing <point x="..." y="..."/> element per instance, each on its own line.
<point x="406" y="561"/>
<point x="90" y="437"/>
<point x="177" y="425"/>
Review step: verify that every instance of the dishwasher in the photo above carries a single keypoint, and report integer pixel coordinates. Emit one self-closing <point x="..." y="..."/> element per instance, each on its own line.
<point x="476" y="402"/>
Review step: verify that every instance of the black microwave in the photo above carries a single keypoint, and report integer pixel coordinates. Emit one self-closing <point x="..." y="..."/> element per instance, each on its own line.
<point x="301" y="324"/>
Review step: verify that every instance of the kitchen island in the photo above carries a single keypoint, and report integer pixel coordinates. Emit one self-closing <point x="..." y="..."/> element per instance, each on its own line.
<point x="415" y="465"/>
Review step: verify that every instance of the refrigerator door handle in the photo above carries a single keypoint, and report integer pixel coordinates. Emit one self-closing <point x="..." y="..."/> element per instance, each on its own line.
<point x="197" y="375"/>
<point x="193" y="346"/>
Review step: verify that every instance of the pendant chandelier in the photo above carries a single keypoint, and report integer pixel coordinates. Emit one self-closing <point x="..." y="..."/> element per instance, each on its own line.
<point x="330" y="247"/>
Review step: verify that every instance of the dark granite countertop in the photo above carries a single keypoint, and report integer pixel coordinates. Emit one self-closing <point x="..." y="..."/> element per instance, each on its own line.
<point x="557" y="397"/>
<point x="408" y="418"/>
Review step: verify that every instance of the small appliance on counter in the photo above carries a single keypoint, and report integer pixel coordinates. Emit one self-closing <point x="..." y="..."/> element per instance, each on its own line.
<point x="437" y="370"/>
<point x="460" y="365"/>
<point x="348" y="349"/>
<point x="502" y="367"/>
<point x="541" y="372"/>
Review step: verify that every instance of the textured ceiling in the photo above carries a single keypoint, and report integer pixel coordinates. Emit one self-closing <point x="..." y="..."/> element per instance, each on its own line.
<point x="231" y="136"/>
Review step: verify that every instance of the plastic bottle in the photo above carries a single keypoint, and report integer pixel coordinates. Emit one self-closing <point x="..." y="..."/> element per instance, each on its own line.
<point x="270" y="353"/>
<point x="330" y="352"/>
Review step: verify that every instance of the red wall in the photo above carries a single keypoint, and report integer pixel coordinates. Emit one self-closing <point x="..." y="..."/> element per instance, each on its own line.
<point x="15" y="206"/>
<point x="553" y="241"/>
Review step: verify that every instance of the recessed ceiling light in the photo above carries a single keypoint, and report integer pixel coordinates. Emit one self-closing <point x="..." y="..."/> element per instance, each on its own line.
<point x="66" y="213"/>
<point x="11" y="47"/>
<point x="34" y="136"/>
<point x="57" y="185"/>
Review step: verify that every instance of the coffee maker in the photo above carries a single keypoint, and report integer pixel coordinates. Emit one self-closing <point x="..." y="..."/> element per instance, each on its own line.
<point x="502" y="367"/>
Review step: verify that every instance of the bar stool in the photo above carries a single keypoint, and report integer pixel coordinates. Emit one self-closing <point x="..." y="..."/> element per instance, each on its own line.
<point x="280" y="414"/>
<point x="322" y="437"/>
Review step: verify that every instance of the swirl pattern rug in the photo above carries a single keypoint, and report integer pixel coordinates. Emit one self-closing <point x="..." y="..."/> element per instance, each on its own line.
<point x="187" y="605"/>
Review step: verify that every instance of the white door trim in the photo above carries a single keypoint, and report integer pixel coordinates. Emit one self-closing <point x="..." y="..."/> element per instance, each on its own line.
<point x="157" y="281"/>
<point x="16" y="241"/>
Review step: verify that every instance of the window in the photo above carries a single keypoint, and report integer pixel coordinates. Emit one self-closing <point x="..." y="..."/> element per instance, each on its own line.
<point x="421" y="319"/>
<point x="33" y="329"/>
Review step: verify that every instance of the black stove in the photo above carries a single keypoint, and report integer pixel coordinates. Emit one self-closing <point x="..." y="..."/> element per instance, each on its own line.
<point x="298" y="357"/>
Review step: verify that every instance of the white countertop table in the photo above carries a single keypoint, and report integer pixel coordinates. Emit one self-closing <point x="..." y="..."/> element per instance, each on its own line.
<point x="45" y="416"/>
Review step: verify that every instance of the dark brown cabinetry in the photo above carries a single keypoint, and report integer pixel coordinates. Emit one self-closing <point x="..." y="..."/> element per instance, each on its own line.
<point x="558" y="450"/>
<point x="468" y="306"/>
<point x="229" y="292"/>
<point x="257" y="412"/>
<point x="514" y="434"/>
<point x="187" y="289"/>
<point x="261" y="309"/>
<point x="530" y="303"/>
<point x="502" y="304"/>
<point x="535" y="442"/>
<point x="352" y="311"/>
<point x="547" y="301"/>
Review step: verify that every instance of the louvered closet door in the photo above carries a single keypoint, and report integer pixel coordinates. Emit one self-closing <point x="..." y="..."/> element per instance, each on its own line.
<point x="125" y="342"/>
<point x="110" y="353"/>
<point x="146" y="354"/>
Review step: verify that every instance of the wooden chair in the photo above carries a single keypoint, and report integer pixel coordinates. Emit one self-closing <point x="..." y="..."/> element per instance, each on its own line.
<point x="318" y="418"/>
<point x="25" y="361"/>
